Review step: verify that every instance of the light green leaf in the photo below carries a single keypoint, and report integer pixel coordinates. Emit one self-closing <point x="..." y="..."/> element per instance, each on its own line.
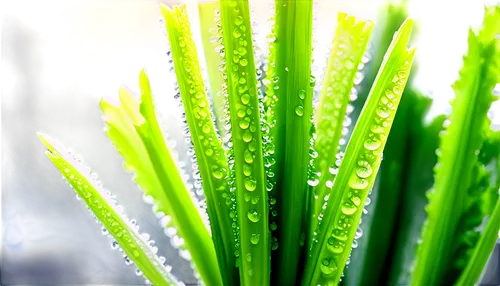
<point x="211" y="39"/>
<point x="482" y="250"/>
<point x="449" y="216"/>
<point x="210" y="156"/>
<point x="105" y="211"/>
<point x="243" y="99"/>
<point x="134" y="130"/>
<point x="289" y="92"/>
<point x="356" y="176"/>
<point x="349" y="45"/>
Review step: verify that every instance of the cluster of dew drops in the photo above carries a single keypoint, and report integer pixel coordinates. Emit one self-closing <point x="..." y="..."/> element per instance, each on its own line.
<point x="193" y="183"/>
<point x="111" y="200"/>
<point x="318" y="70"/>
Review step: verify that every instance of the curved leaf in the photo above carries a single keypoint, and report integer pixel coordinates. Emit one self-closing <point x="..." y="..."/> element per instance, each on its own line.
<point x="105" y="211"/>
<point x="210" y="156"/>
<point x="349" y="45"/>
<point x="452" y="197"/>
<point x="133" y="128"/>
<point x="356" y="176"/>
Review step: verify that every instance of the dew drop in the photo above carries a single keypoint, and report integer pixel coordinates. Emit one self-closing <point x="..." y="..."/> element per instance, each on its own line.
<point x="383" y="111"/>
<point x="248" y="156"/>
<point x="328" y="266"/>
<point x="114" y="244"/>
<point x="243" y="62"/>
<point x="364" y="170"/>
<point x="402" y="74"/>
<point x="217" y="173"/>
<point x="368" y="201"/>
<point x="78" y="159"/>
<point x="254" y="238"/>
<point x="242" y="51"/>
<point x="334" y="245"/>
<point x="245" y="98"/>
<point x="359" y="78"/>
<point x="247" y="136"/>
<point x="372" y="144"/>
<point x="253" y="216"/>
<point x="302" y="239"/>
<point x="250" y="184"/>
<point x="273" y="226"/>
<point x="299" y="110"/>
<point x="241" y="113"/>
<point x="104" y="231"/>
<point x="313" y="183"/>
<point x="359" y="233"/>
<point x="247" y="170"/>
<point x="302" y="94"/>
<point x="339" y="234"/>
<point x="349" y="208"/>
<point x="270" y="21"/>
<point x="274" y="244"/>
<point x="356" y="200"/>
<point x="206" y="128"/>
<point x="252" y="146"/>
<point x="271" y="38"/>
<point x="239" y="20"/>
<point x="397" y="90"/>
<point x="329" y="184"/>
<point x="349" y="64"/>
<point x="243" y="123"/>
<point x="248" y="197"/>
<point x="353" y="95"/>
<point x="237" y="33"/>
<point x="389" y="94"/>
<point x="376" y="129"/>
<point x="354" y="244"/>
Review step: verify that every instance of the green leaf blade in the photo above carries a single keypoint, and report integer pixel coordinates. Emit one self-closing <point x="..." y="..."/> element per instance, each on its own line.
<point x="210" y="155"/>
<point x="360" y="165"/>
<point x="102" y="207"/>
<point x="349" y="45"/>
<point x="288" y="111"/>
<point x="209" y="34"/>
<point x="449" y="201"/>
<point x="482" y="250"/>
<point x="252" y="202"/>
<point x="134" y="130"/>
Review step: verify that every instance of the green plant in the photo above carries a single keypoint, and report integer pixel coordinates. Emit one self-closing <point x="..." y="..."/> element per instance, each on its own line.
<point x="279" y="193"/>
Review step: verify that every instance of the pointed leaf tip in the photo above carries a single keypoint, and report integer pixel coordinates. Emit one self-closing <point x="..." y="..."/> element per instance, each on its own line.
<point x="39" y="134"/>
<point x="405" y="29"/>
<point x="144" y="82"/>
<point x="47" y="141"/>
<point x="164" y="8"/>
<point x="143" y="73"/>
